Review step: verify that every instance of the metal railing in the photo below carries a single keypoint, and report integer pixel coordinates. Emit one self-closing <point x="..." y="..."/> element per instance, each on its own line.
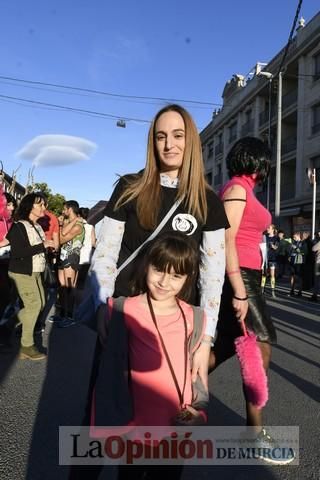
<point x="290" y="99"/>
<point x="289" y="144"/>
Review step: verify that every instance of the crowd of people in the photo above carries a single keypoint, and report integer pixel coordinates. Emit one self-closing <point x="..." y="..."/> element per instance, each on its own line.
<point x="39" y="252"/>
<point x="297" y="258"/>
<point x="167" y="243"/>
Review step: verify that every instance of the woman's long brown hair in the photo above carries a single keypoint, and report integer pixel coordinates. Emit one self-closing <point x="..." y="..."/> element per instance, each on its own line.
<point x="192" y="188"/>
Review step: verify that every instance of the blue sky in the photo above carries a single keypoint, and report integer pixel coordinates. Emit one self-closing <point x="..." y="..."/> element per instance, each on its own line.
<point x="173" y="49"/>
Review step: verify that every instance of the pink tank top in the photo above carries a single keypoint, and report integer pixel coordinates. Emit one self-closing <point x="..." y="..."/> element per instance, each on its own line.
<point x="255" y="220"/>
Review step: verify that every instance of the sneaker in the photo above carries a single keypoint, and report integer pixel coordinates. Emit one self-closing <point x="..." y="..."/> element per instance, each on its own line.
<point x="31" y="353"/>
<point x="273" y="294"/>
<point x="314" y="298"/>
<point x="38" y="330"/>
<point x="271" y="451"/>
<point x="66" y="322"/>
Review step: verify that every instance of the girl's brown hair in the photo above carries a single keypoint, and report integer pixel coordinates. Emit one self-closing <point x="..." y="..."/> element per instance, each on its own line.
<point x="146" y="189"/>
<point x="169" y="250"/>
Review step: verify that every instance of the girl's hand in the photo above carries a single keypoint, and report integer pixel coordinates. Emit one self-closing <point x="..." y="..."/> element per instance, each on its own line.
<point x="189" y="417"/>
<point x="200" y="364"/>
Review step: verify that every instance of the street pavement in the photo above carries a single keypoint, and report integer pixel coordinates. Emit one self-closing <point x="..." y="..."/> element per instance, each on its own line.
<point x="37" y="397"/>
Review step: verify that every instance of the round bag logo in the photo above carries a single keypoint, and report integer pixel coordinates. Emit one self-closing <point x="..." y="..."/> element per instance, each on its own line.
<point x="185" y="223"/>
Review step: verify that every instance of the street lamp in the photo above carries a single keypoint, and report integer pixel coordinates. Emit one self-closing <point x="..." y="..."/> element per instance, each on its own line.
<point x="312" y="175"/>
<point x="270" y="76"/>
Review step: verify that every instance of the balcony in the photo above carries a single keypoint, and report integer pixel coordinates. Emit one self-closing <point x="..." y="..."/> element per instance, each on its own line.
<point x="290" y="99"/>
<point x="289" y="144"/>
<point x="288" y="191"/>
<point x="247" y="127"/>
<point x="218" y="149"/>
<point x="264" y="116"/>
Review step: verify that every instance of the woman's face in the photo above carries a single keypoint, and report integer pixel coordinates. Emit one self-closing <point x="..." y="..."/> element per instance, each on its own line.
<point x="170" y="142"/>
<point x="38" y="211"/>
<point x="10" y="209"/>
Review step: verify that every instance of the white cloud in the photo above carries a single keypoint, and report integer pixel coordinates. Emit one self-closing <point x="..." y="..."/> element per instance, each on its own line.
<point x="50" y="150"/>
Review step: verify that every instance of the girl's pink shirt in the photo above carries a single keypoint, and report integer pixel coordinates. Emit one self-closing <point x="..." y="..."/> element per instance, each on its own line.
<point x="155" y="397"/>
<point x="255" y="220"/>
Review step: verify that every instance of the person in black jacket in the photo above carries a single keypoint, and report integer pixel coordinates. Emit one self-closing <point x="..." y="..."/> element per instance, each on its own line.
<point x="27" y="261"/>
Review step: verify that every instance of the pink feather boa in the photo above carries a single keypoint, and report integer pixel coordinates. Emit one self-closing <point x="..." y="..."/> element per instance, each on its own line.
<point x="253" y="374"/>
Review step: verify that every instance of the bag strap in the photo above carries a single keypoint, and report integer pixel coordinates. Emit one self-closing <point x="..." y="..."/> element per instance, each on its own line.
<point x="152" y="236"/>
<point x="45" y="252"/>
<point x="179" y="391"/>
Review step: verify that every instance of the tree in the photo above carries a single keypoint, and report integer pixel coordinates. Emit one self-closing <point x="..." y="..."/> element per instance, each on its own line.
<point x="55" y="201"/>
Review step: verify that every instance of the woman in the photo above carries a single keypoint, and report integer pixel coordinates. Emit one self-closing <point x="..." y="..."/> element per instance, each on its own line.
<point x="174" y="171"/>
<point x="296" y="260"/>
<point x="248" y="164"/>
<point x="272" y="244"/>
<point x="27" y="261"/>
<point x="71" y="239"/>
<point x="7" y="206"/>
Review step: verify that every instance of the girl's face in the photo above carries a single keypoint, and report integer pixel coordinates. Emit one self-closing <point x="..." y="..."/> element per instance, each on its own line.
<point x="170" y="142"/>
<point x="164" y="285"/>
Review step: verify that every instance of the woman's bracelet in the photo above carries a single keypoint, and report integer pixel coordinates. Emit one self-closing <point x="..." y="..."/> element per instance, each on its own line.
<point x="207" y="342"/>
<point x="232" y="272"/>
<point x="243" y="299"/>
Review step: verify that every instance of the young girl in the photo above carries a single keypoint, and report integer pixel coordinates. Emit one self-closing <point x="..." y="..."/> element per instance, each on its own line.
<point x="160" y="335"/>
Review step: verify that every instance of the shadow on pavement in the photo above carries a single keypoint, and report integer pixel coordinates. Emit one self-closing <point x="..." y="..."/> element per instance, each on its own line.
<point x="306" y="387"/>
<point x="297" y="355"/>
<point x="62" y="399"/>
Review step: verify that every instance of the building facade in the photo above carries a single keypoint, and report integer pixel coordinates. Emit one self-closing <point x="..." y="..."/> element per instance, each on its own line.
<point x="250" y="108"/>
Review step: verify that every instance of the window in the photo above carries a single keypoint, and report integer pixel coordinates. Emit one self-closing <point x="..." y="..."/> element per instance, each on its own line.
<point x="232" y="132"/>
<point x="210" y="149"/>
<point x="209" y="178"/>
<point x="218" y="175"/>
<point x="316" y="67"/>
<point x="315" y="128"/>
<point x="315" y="163"/>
